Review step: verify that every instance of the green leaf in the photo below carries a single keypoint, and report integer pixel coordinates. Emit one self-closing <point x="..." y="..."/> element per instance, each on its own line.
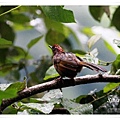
<point x="10" y="110"/>
<point x="78" y="99"/>
<point x="51" y="73"/>
<point x="93" y="40"/>
<point x="17" y="86"/>
<point x="3" y="55"/>
<point x="96" y="12"/>
<point x="35" y="100"/>
<point x="97" y="99"/>
<point x="44" y="108"/>
<point x="16" y="50"/>
<point x="53" y="37"/>
<point x="57" y="26"/>
<point x="40" y="71"/>
<point x="101" y="98"/>
<point x="17" y="53"/>
<point x="7" y="94"/>
<point x="33" y="42"/>
<point x="116" y="18"/>
<point x="110" y="86"/>
<point x="12" y="90"/>
<point x="6" y="31"/>
<point x="109" y="47"/>
<point x="61" y="30"/>
<point x="84" y="99"/>
<point x="57" y="13"/>
<point x="53" y="96"/>
<point x="115" y="66"/>
<point x="8" y="67"/>
<point x="76" y="108"/>
<point x="5" y="43"/>
<point x="22" y="18"/>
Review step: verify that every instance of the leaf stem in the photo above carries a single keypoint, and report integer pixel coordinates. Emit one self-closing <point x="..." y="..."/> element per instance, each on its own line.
<point x="9" y="10"/>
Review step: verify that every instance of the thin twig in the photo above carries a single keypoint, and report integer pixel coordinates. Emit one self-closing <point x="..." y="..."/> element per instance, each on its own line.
<point x="9" y="10"/>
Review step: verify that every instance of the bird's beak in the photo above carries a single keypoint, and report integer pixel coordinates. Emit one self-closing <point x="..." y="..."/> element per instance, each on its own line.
<point x="50" y="46"/>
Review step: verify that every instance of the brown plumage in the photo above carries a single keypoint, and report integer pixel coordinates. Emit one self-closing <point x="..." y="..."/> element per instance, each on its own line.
<point x="68" y="64"/>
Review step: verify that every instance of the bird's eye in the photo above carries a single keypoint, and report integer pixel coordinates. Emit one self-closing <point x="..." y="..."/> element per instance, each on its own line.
<point x="53" y="48"/>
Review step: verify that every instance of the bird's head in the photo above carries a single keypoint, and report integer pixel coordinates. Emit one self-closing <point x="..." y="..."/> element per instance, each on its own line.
<point x="56" y="49"/>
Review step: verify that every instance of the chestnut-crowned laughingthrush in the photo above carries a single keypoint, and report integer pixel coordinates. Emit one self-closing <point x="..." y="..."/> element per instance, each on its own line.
<point x="68" y="64"/>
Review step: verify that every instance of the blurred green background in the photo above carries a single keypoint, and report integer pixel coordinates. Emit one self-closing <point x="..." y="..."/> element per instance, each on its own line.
<point x="85" y="23"/>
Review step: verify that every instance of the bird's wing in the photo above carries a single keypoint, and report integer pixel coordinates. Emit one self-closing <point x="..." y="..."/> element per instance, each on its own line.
<point x="67" y="65"/>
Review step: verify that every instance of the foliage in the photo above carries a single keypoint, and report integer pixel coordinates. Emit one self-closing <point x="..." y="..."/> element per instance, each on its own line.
<point x="14" y="59"/>
<point x="11" y="90"/>
<point x="58" y="13"/>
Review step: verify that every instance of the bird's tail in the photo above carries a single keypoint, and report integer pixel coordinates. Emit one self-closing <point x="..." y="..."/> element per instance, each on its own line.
<point x="92" y="66"/>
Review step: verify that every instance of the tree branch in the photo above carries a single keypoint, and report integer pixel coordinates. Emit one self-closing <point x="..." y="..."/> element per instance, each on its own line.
<point x="59" y="83"/>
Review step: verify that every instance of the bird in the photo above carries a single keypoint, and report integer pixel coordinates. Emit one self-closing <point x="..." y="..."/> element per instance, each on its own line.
<point x="67" y="64"/>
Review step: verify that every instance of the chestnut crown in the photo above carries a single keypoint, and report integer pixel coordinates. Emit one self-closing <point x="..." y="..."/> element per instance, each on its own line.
<point x="56" y="49"/>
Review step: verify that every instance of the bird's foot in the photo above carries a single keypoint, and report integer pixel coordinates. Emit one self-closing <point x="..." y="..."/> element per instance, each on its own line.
<point x="60" y="82"/>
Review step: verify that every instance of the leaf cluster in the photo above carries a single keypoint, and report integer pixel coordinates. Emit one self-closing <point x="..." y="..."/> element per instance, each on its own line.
<point x="14" y="59"/>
